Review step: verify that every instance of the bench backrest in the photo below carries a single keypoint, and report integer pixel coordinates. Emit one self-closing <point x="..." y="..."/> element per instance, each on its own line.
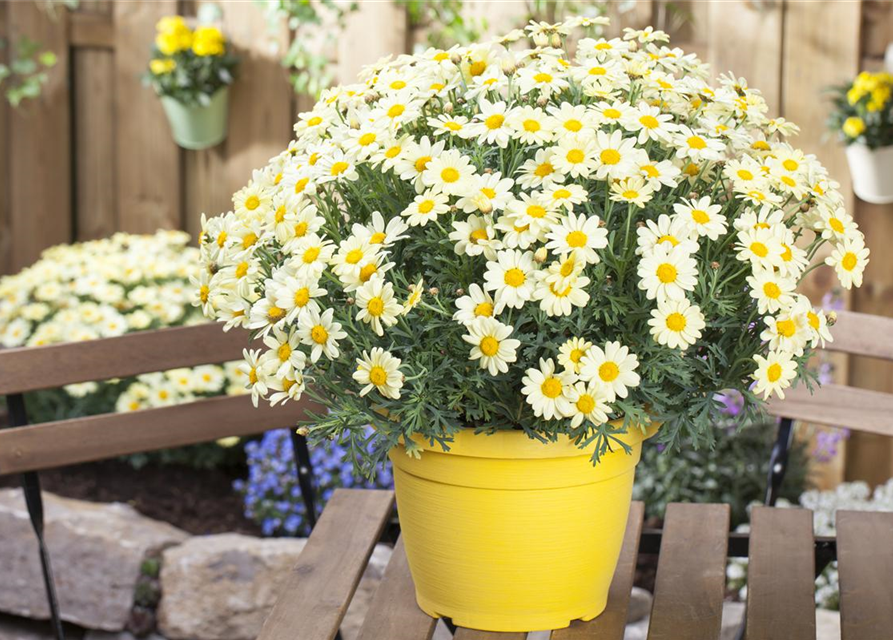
<point x="64" y="442"/>
<point x="840" y="405"/>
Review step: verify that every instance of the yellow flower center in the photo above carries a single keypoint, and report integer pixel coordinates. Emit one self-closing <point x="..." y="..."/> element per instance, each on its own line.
<point x="397" y="85"/>
<point x="576" y="355"/>
<point x="575" y="156"/>
<point x="531" y="126"/>
<point x="396" y="111"/>
<point x="310" y="255"/>
<point x="544" y="170"/>
<point x="478" y="235"/>
<point x="203" y="292"/>
<point x="849" y="261"/>
<point x="676" y="322"/>
<point x="279" y="216"/>
<point x="375" y="306"/>
<point x="284" y="352"/>
<point x="671" y="239"/>
<point x="301" y="184"/>
<point x="649" y="122"/>
<point x="249" y="239"/>
<point x="773" y="373"/>
<point x="536" y="211"/>
<point x="700" y="216"/>
<point x="300" y="229"/>
<point x="274" y="313"/>
<point x="514" y="277"/>
<point x="813" y="320"/>
<point x="567" y="267"/>
<point x="495" y="121"/>
<point x="576" y="239"/>
<point x="651" y="171"/>
<point x="302" y="297"/>
<point x="452" y="125"/>
<point x="610" y="156"/>
<point x="573" y="125"/>
<point x="561" y="194"/>
<point x="449" y="175"/>
<point x="241" y="269"/>
<point x="836" y="225"/>
<point x="378" y="376"/>
<point x="608" y="371"/>
<point x="353" y="256"/>
<point x="221" y="239"/>
<point x="252" y="376"/>
<point x="489" y="346"/>
<point x="744" y="174"/>
<point x="338" y="168"/>
<point x="611" y="113"/>
<point x="392" y="152"/>
<point x="366" y="139"/>
<point x="314" y="121"/>
<point x="771" y="290"/>
<point x="585" y="403"/>
<point x="421" y="163"/>
<point x="789" y="181"/>
<point x="252" y="203"/>
<point x="487" y="191"/>
<point x="597" y="71"/>
<point x="696" y="142"/>
<point x="318" y="334"/>
<point x="786" y="328"/>
<point x="790" y="164"/>
<point x="551" y="387"/>
<point x="543" y="77"/>
<point x="368" y="271"/>
<point x="477" y="68"/>
<point x="483" y="309"/>
<point x="630" y="194"/>
<point x="377" y="238"/>
<point x="759" y="249"/>
<point x="666" y="273"/>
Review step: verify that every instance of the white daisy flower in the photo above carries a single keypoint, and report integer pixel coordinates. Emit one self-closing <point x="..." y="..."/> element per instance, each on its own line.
<point x="425" y="207"/>
<point x="588" y="401"/>
<point x="774" y="373"/>
<point x="578" y="233"/>
<point x="511" y="277"/>
<point x="667" y="273"/>
<point x="321" y="333"/>
<point x="570" y="354"/>
<point x="489" y="125"/>
<point x="616" y="157"/>
<point x="633" y="190"/>
<point x="377" y="305"/>
<point x="491" y="344"/>
<point x="771" y="290"/>
<point x="530" y="125"/>
<point x="613" y="366"/>
<point x="787" y="331"/>
<point x="379" y="370"/>
<point x="676" y="324"/>
<point x="673" y="231"/>
<point x="558" y="300"/>
<point x="451" y="173"/>
<point x="849" y="259"/>
<point x="702" y="216"/>
<point x="475" y="236"/>
<point x="546" y="390"/>
<point x="477" y="304"/>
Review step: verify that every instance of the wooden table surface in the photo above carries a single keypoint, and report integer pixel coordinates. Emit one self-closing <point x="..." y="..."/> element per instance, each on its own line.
<point x="689" y="588"/>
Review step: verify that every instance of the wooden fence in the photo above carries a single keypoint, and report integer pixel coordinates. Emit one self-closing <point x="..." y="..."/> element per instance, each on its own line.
<point x="93" y="154"/>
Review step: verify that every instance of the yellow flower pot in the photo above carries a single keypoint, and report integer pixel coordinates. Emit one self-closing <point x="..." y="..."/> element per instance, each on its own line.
<point x="504" y="533"/>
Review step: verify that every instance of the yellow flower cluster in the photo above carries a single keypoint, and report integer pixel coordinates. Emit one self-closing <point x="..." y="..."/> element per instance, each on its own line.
<point x="107" y="288"/>
<point x="502" y="149"/>
<point x="877" y="85"/>
<point x="174" y="36"/>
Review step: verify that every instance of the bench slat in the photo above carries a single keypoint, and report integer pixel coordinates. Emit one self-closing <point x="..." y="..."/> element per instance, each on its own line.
<point x="838" y="406"/>
<point x="862" y="334"/>
<point x="56" y="444"/>
<point x="691" y="573"/>
<point x="781" y="575"/>
<point x="865" y="564"/>
<point x="471" y="634"/>
<point x="314" y="597"/>
<point x="33" y="368"/>
<point x="394" y="612"/>
<point x="611" y="624"/>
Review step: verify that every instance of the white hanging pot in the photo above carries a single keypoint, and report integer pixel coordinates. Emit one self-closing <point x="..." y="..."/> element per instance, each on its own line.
<point x="872" y="172"/>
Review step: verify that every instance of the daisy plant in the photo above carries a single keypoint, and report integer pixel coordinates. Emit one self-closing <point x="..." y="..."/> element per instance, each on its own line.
<point x="491" y="237"/>
<point x="863" y="111"/>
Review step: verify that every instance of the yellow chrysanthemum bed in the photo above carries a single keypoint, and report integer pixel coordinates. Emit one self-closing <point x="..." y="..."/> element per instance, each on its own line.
<point x="499" y="238"/>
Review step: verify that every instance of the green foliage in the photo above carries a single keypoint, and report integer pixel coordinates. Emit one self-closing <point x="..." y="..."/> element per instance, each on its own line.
<point x="23" y="78"/>
<point x="443" y="22"/>
<point x="733" y="471"/>
<point x="863" y="111"/>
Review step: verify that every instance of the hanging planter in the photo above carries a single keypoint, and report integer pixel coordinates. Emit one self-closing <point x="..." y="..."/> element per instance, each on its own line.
<point x="198" y="126"/>
<point x="872" y="172"/>
<point x="191" y="71"/>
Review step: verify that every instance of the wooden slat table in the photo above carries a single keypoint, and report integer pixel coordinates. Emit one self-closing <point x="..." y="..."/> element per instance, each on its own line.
<point x="689" y="588"/>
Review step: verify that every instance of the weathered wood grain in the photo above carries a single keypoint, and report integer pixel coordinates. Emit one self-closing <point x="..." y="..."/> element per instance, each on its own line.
<point x="66" y="442"/>
<point x="394" y="612"/>
<point x="611" y="624"/>
<point x="838" y="406"/>
<point x="781" y="575"/>
<point x="471" y="634"/>
<point x="40" y="143"/>
<point x="691" y="573"/>
<point x="147" y="160"/>
<point x="865" y="564"/>
<point x="93" y="30"/>
<point x="6" y="239"/>
<point x="32" y="368"/>
<point x="314" y="597"/>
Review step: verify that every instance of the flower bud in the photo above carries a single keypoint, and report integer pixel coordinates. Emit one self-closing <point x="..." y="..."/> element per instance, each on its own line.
<point x="433" y="291"/>
<point x="448" y="108"/>
<point x="541" y="255"/>
<point x="509" y="66"/>
<point x="456" y="59"/>
<point x="832" y="318"/>
<point x="540" y="39"/>
<point x="350" y="301"/>
<point x="804" y="207"/>
<point x="694" y="195"/>
<point x="460" y="291"/>
<point x="714" y="265"/>
<point x="556" y="41"/>
<point x="542" y="101"/>
<point x="484" y="205"/>
<point x="303" y="431"/>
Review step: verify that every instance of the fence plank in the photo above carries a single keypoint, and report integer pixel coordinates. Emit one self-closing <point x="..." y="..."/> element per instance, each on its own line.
<point x="865" y="563"/>
<point x="40" y="143"/>
<point x="31" y="368"/>
<point x="92" y="30"/>
<point x="6" y="239"/>
<point x="147" y="160"/>
<point x="781" y="575"/>
<point x="691" y="573"/>
<point x="66" y="442"/>
<point x="94" y="142"/>
<point x="315" y="595"/>
<point x="375" y="30"/>
<point x="260" y="127"/>
<point x="836" y="405"/>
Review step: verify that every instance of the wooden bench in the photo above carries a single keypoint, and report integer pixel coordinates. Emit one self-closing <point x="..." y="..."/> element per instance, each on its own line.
<point x="26" y="449"/>
<point x="688" y="594"/>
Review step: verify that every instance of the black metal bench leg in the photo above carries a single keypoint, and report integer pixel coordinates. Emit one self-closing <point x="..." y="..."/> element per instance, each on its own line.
<point x="34" y="502"/>
<point x="304" y="469"/>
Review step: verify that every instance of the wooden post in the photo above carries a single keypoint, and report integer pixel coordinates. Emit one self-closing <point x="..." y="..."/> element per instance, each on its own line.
<point x="375" y="30"/>
<point x="40" y="144"/>
<point x="147" y="160"/>
<point x="6" y="240"/>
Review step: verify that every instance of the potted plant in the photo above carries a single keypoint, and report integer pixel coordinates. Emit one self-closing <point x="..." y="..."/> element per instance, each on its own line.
<point x="191" y="71"/>
<point x="863" y="119"/>
<point x="515" y="267"/>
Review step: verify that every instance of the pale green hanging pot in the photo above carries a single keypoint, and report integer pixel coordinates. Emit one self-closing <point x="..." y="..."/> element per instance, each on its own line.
<point x="198" y="126"/>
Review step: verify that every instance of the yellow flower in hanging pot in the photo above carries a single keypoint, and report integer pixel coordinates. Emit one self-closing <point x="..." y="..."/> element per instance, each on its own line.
<point x="854" y="126"/>
<point x="162" y="65"/>
<point x="208" y="41"/>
